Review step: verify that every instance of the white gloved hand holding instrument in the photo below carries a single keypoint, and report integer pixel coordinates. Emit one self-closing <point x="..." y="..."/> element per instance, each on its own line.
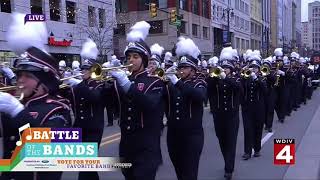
<point x="10" y="105"/>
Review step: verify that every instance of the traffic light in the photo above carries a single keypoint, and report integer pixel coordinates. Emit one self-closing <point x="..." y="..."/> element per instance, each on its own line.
<point x="153" y="10"/>
<point x="173" y="16"/>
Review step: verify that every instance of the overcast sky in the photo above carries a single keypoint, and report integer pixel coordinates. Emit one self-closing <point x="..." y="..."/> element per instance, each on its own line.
<point x="304" y="9"/>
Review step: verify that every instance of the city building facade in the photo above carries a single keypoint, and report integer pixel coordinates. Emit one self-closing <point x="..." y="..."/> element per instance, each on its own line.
<point x="68" y="25"/>
<point x="194" y="24"/>
<point x="238" y="14"/>
<point x="256" y="24"/>
<point x="305" y="35"/>
<point x="266" y="22"/>
<point x="314" y="25"/>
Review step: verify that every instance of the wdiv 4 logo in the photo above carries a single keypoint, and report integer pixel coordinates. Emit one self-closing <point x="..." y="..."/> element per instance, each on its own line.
<point x="284" y="152"/>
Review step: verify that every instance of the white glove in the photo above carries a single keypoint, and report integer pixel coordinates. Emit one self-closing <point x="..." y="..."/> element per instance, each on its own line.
<point x="173" y="78"/>
<point x="106" y="65"/>
<point x="280" y="72"/>
<point x="72" y="81"/>
<point x="120" y="76"/>
<point x="253" y="76"/>
<point x="171" y="69"/>
<point x="223" y="75"/>
<point x="8" y="72"/>
<point x="67" y="74"/>
<point x="10" y="105"/>
<point x="115" y="63"/>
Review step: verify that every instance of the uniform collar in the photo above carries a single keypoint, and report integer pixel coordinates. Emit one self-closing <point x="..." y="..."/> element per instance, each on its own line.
<point x="145" y="72"/>
<point x="35" y="99"/>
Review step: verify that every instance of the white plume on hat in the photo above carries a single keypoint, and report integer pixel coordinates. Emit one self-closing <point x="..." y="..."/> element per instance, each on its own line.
<point x="89" y="50"/>
<point x="138" y="31"/>
<point x="204" y="64"/>
<point x="113" y="57"/>
<point x="214" y="60"/>
<point x="168" y="56"/>
<point x="255" y="55"/>
<point x="246" y="54"/>
<point x="22" y="36"/>
<point x="156" y="49"/>
<point x="226" y="54"/>
<point x="186" y="46"/>
<point x="278" y="52"/>
<point x="62" y="63"/>
<point x="75" y="64"/>
<point x="285" y="60"/>
<point x="294" y="55"/>
<point x="302" y="60"/>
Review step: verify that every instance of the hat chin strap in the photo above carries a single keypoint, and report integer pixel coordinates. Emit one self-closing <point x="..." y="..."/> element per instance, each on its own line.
<point x="34" y="91"/>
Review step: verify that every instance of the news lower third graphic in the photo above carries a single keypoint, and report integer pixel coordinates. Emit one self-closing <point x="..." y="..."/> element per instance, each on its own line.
<point x="57" y="149"/>
<point x="284" y="152"/>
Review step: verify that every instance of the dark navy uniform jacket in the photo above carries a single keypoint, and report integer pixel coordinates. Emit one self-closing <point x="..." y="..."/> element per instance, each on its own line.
<point x="43" y="111"/>
<point x="224" y="94"/>
<point x="185" y="109"/>
<point x="141" y="111"/>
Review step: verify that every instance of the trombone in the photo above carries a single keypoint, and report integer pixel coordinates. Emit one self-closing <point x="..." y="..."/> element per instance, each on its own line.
<point x="12" y="88"/>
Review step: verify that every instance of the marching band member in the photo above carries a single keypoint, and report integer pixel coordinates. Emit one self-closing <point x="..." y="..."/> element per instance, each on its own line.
<point x="281" y="89"/>
<point x="155" y="59"/>
<point x="253" y="107"/>
<point x="76" y="70"/>
<point x="185" y="136"/>
<point x="140" y="98"/>
<point x="270" y="96"/>
<point x="86" y="102"/>
<point x="168" y="60"/>
<point x="38" y="74"/>
<point x="224" y="92"/>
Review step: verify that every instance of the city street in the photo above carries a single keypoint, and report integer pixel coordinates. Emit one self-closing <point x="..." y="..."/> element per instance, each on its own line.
<point x="211" y="163"/>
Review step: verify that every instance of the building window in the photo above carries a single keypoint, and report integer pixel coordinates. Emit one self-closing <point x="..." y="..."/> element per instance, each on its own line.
<point x="247" y="44"/>
<point x="195" y="7"/>
<point x="36" y="6"/>
<point x="184" y="4"/>
<point x="142" y="6"/>
<point x="156" y="27"/>
<point x="194" y="30"/>
<point x="205" y="9"/>
<point x="5" y="6"/>
<point x="241" y="6"/>
<point x="205" y="32"/>
<point x="163" y="4"/>
<point x="183" y="27"/>
<point x="237" y="4"/>
<point x="246" y="8"/>
<point x="91" y="16"/>
<point x="71" y="12"/>
<point x="122" y="6"/>
<point x="120" y="30"/>
<point x="102" y="18"/>
<point x="54" y="6"/>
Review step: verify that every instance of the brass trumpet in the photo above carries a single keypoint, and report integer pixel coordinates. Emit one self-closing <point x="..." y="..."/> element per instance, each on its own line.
<point x="215" y="71"/>
<point x="97" y="71"/>
<point x="163" y="75"/>
<point x="265" y="70"/>
<point x="12" y="88"/>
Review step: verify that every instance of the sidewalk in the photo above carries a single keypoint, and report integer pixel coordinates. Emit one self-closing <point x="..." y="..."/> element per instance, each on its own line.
<point x="307" y="166"/>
